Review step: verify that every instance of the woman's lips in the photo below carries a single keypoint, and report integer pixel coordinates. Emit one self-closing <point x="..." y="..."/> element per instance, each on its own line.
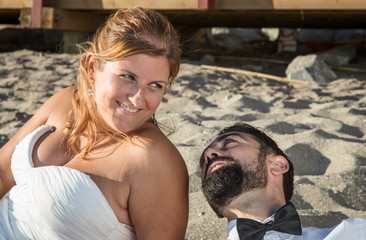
<point x="128" y="109"/>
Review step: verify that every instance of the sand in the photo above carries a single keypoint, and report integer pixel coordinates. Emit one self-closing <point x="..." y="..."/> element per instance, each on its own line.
<point x="321" y="127"/>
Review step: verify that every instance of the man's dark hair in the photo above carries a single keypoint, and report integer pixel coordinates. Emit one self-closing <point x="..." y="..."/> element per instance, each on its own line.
<point x="268" y="146"/>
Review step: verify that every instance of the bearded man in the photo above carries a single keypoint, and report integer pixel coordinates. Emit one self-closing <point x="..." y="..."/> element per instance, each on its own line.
<point x="248" y="179"/>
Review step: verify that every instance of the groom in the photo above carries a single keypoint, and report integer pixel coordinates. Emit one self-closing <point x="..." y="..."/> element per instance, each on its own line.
<point x="248" y="179"/>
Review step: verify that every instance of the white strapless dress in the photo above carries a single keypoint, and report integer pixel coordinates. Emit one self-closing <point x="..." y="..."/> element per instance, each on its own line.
<point x="54" y="202"/>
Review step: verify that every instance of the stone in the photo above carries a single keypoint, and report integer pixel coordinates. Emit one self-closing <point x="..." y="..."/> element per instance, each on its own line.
<point x="339" y="56"/>
<point x="271" y="33"/>
<point x="234" y="38"/>
<point x="208" y="59"/>
<point x="310" y="68"/>
<point x="319" y="35"/>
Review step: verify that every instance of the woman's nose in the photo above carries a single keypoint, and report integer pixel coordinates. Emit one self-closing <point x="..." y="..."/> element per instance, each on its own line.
<point x="137" y="97"/>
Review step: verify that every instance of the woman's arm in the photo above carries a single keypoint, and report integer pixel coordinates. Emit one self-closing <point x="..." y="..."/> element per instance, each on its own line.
<point x="158" y="203"/>
<point x="38" y="119"/>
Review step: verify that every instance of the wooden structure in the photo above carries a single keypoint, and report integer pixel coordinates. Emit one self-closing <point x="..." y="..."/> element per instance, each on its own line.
<point x="87" y="15"/>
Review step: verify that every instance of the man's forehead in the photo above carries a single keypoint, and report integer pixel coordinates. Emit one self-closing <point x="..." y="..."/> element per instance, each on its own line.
<point x="242" y="135"/>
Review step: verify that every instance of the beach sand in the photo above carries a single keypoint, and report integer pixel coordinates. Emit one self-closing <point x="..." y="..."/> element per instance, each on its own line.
<point x="321" y="127"/>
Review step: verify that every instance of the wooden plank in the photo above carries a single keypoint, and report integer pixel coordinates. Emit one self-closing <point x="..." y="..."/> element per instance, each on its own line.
<point x="269" y="18"/>
<point x="115" y="4"/>
<point x="25" y="17"/>
<point x="205" y="4"/>
<point x="76" y="20"/>
<point x="320" y="4"/>
<point x="67" y="20"/>
<point x="15" y="4"/>
<point x="37" y="13"/>
<point x="243" y="18"/>
<point x="244" y="4"/>
<point x="193" y="4"/>
<point x="291" y="4"/>
<point x="256" y="74"/>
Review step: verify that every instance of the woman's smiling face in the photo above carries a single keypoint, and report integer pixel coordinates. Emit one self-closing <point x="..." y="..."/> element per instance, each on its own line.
<point x="128" y="91"/>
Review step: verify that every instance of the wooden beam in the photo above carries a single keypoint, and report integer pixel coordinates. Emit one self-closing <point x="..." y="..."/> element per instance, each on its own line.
<point x="218" y="4"/>
<point x="193" y="4"/>
<point x="77" y="20"/>
<point x="319" y="4"/>
<point x="67" y="20"/>
<point x="291" y="4"/>
<point x="268" y="18"/>
<point x="37" y="13"/>
<point x="244" y="4"/>
<point x="15" y="4"/>
<point x="205" y="4"/>
<point x="116" y="4"/>
<point x="256" y="74"/>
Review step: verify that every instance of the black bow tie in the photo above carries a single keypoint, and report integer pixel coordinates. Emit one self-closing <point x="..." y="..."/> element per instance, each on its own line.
<point x="286" y="220"/>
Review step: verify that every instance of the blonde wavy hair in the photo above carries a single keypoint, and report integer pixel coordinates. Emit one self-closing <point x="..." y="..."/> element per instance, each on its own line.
<point x="126" y="32"/>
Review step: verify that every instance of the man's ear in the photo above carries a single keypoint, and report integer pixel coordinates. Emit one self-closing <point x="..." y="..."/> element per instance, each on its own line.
<point x="278" y="165"/>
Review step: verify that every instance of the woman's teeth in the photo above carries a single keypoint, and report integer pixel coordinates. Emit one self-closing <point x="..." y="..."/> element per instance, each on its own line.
<point x="127" y="108"/>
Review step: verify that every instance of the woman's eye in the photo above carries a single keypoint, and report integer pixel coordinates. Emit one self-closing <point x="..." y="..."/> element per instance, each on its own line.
<point x="156" y="85"/>
<point x="128" y="77"/>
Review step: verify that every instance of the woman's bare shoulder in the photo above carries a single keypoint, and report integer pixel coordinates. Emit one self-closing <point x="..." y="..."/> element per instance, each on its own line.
<point x="63" y="96"/>
<point x="157" y="145"/>
<point x="59" y="106"/>
<point x="161" y="174"/>
<point x="150" y="150"/>
<point x="58" y="100"/>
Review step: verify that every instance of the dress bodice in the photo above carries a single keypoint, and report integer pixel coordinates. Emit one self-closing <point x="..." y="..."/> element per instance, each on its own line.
<point x="55" y="202"/>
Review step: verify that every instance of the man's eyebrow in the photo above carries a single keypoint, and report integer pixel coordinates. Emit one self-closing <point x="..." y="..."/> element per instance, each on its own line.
<point x="225" y="135"/>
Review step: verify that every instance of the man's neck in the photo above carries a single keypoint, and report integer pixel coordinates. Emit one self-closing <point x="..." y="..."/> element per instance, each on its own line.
<point x="257" y="206"/>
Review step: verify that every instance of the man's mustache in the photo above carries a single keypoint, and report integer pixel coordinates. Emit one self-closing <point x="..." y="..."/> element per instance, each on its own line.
<point x="216" y="159"/>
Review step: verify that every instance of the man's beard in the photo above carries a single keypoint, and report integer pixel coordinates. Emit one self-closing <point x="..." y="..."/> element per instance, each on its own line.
<point x="224" y="184"/>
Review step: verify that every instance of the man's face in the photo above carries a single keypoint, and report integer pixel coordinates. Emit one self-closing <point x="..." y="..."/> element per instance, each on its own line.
<point x="231" y="165"/>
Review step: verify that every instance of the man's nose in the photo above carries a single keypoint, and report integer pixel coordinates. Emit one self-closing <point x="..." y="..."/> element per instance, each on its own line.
<point x="211" y="153"/>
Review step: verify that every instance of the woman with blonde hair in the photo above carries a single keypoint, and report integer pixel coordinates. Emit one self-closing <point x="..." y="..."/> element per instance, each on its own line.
<point x="92" y="163"/>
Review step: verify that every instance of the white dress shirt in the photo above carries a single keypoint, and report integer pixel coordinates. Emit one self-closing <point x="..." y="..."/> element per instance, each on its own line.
<point x="350" y="229"/>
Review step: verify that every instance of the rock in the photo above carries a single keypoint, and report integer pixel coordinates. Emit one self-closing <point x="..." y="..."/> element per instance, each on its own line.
<point x="233" y="38"/>
<point x="271" y="33"/>
<point x="310" y="68"/>
<point x="208" y="59"/>
<point x="339" y="56"/>
<point x="330" y="35"/>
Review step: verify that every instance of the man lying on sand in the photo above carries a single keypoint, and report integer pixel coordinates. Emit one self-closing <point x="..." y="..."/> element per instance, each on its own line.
<point x="249" y="180"/>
